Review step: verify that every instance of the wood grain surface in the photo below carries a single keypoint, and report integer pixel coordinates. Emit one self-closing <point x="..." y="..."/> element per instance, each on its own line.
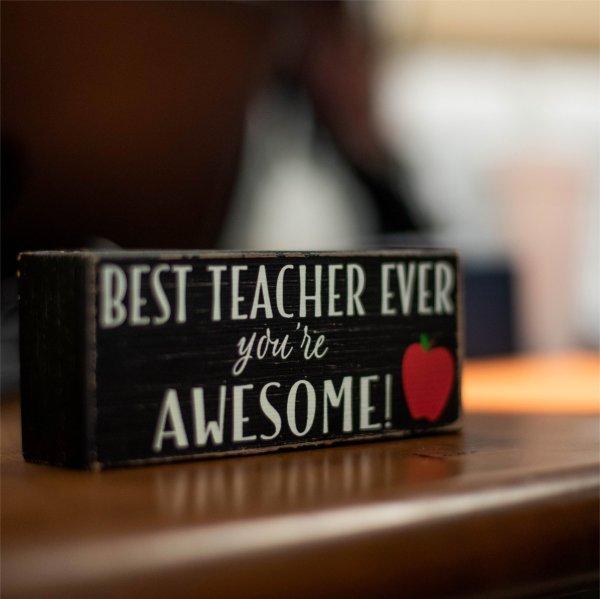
<point x="507" y="507"/>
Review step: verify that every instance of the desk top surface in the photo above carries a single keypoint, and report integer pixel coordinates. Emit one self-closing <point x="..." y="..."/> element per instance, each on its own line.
<point x="515" y="493"/>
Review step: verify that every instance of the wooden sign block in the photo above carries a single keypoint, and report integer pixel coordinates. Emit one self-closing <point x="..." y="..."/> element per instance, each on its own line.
<point x="141" y="357"/>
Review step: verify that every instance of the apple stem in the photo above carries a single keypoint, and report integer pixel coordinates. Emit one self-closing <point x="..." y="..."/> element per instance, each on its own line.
<point x="424" y="341"/>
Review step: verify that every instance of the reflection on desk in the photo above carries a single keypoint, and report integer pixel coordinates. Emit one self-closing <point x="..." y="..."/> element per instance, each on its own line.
<point x="510" y="505"/>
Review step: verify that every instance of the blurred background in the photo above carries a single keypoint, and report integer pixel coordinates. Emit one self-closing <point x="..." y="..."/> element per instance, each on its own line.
<point x="321" y="125"/>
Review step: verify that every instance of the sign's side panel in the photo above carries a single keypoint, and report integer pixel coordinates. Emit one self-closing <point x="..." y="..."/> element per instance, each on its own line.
<point x="52" y="353"/>
<point x="197" y="356"/>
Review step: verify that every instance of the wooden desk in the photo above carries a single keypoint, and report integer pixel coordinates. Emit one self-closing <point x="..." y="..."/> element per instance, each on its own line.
<point x="509" y="506"/>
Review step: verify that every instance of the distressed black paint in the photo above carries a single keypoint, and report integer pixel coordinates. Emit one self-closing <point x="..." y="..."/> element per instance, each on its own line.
<point x="92" y="394"/>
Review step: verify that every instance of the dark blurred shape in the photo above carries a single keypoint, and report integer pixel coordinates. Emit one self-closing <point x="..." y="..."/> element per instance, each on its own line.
<point x="124" y="121"/>
<point x="128" y="116"/>
<point x="12" y="174"/>
<point x="334" y="66"/>
<point x="488" y="309"/>
<point x="13" y="171"/>
<point x="394" y="203"/>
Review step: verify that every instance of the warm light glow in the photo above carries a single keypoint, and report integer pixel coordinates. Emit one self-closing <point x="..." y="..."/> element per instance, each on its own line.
<point x="562" y="383"/>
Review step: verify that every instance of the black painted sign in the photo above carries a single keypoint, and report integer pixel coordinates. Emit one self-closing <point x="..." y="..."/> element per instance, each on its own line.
<point x="138" y="357"/>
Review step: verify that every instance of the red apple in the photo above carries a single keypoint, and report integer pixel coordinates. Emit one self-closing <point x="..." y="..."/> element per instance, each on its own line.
<point x="427" y="377"/>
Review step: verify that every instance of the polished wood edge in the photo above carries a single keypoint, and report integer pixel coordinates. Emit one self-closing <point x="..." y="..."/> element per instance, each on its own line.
<point x="91" y="562"/>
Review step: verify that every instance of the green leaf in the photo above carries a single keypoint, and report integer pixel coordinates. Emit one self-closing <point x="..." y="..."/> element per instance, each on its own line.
<point x="424" y="341"/>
